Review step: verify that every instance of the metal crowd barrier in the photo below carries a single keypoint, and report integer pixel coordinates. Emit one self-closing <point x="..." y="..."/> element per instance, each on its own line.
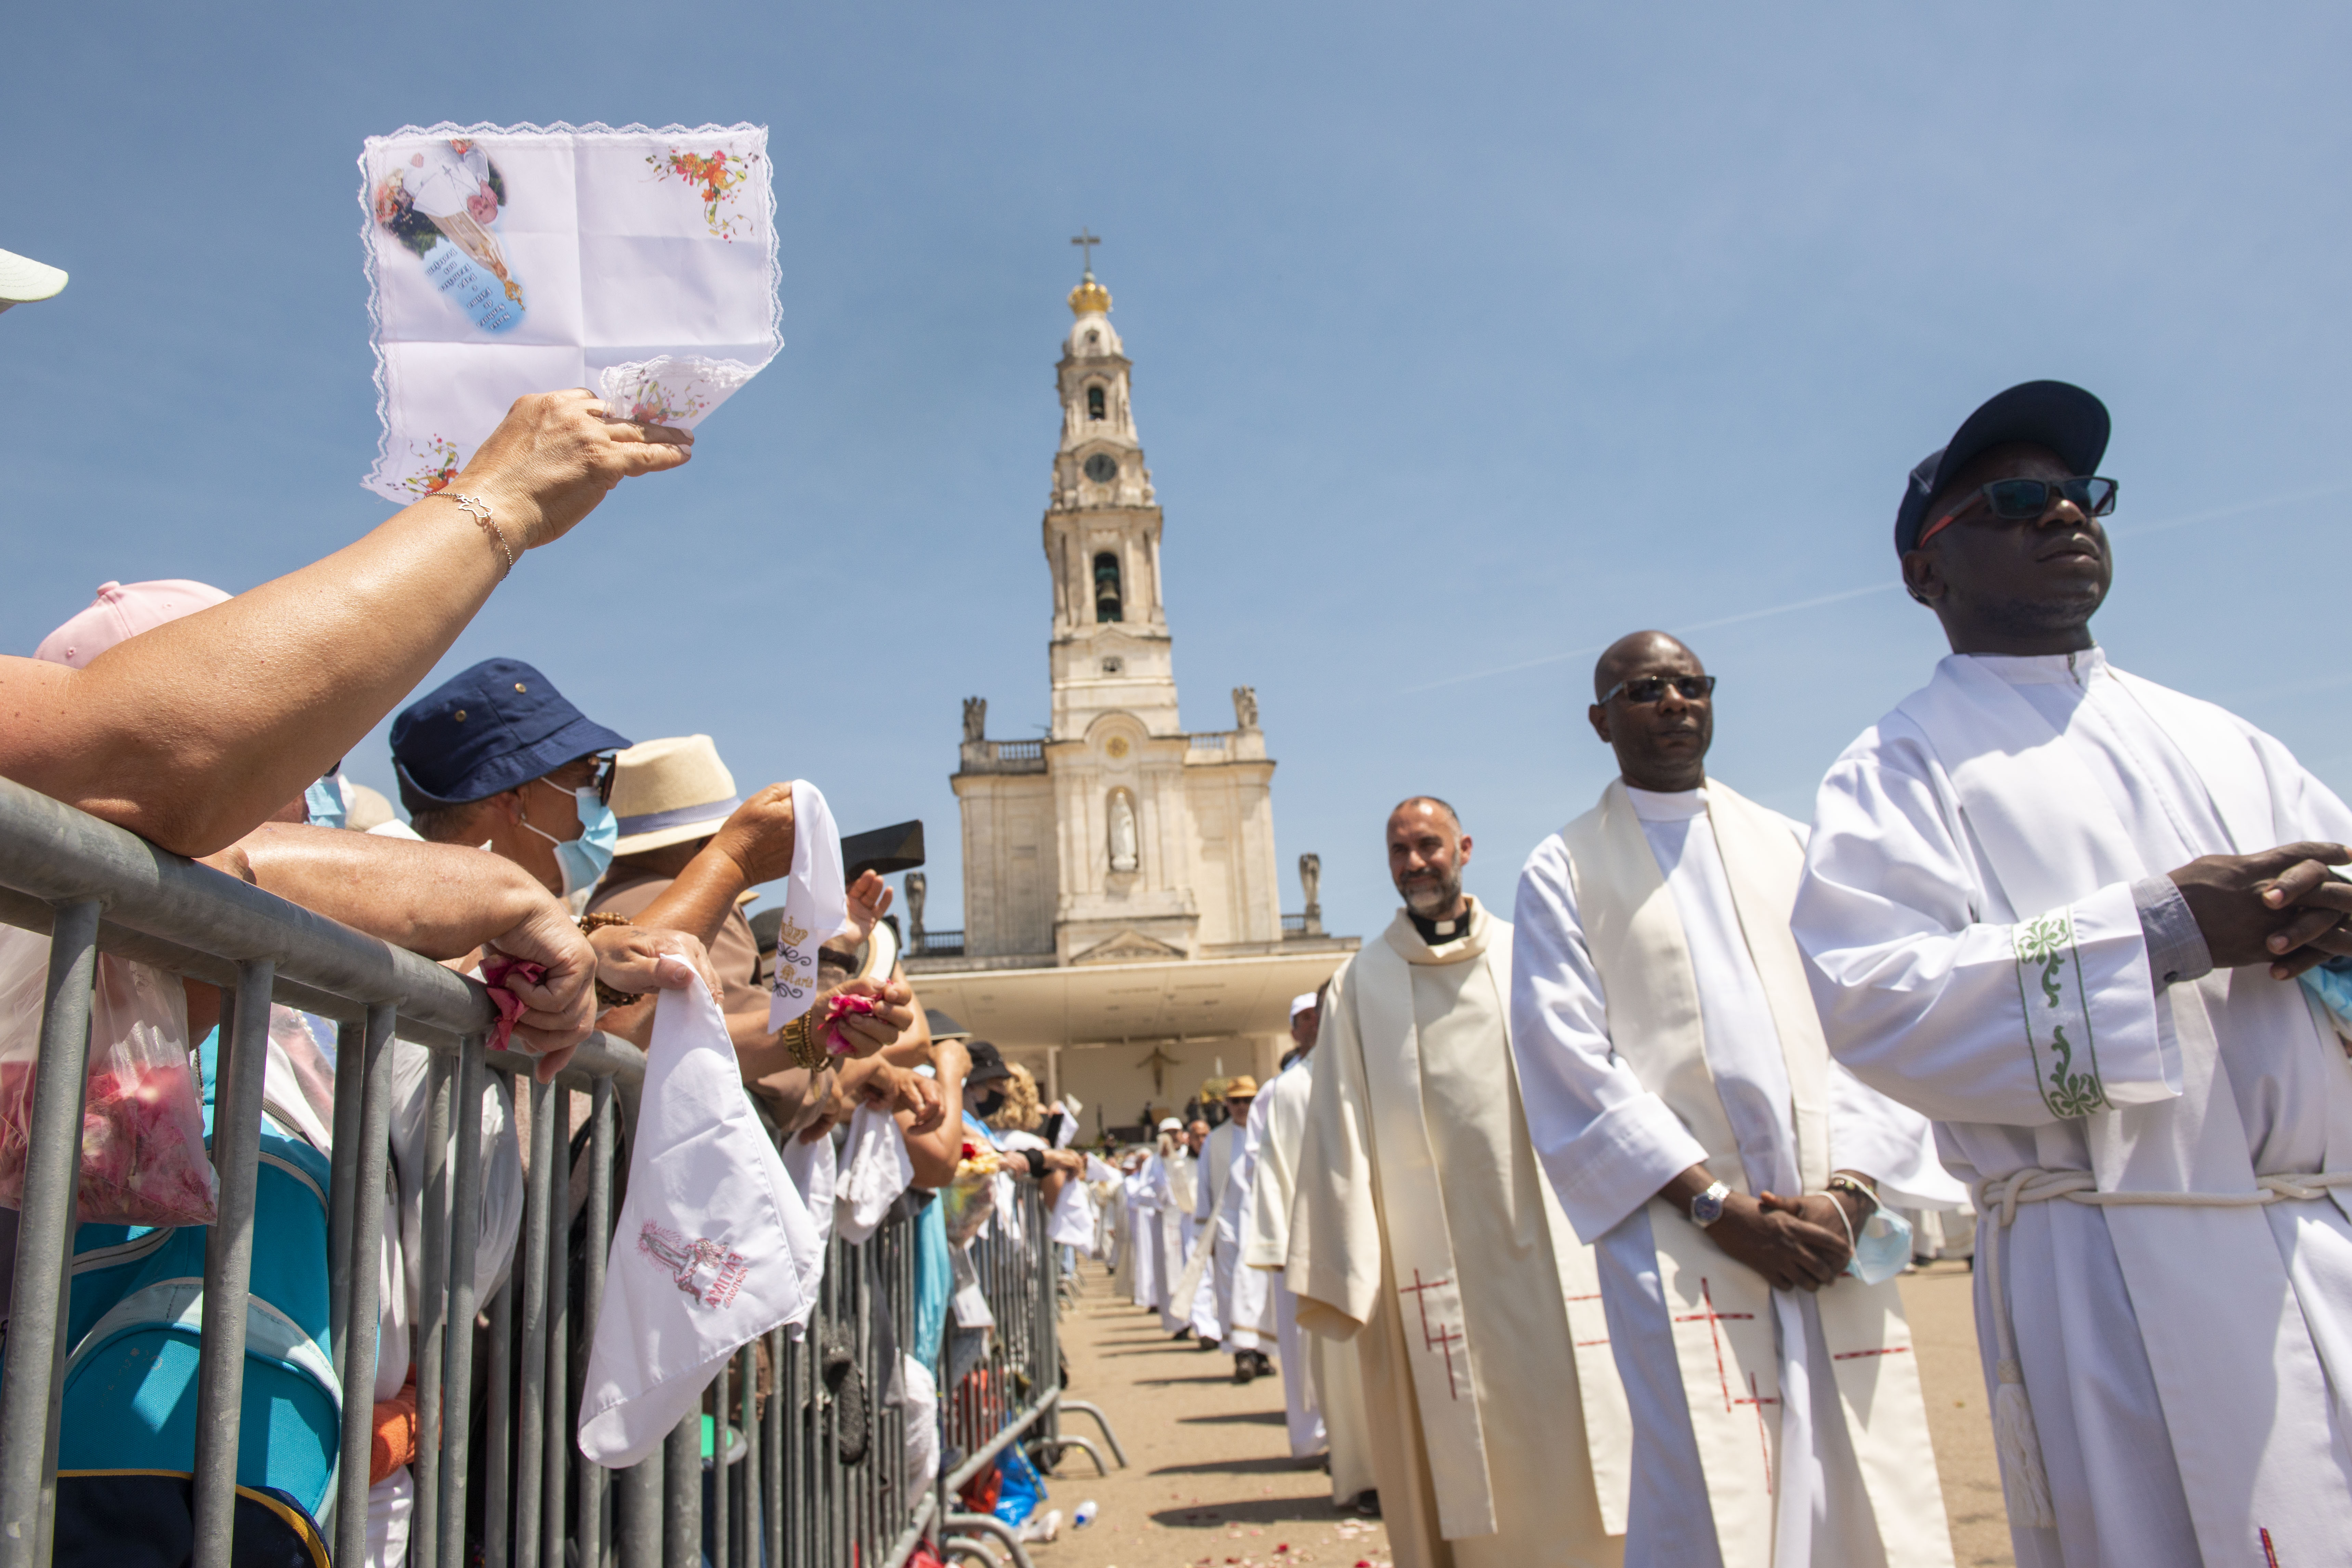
<point x="810" y="1463"/>
<point x="1013" y="1393"/>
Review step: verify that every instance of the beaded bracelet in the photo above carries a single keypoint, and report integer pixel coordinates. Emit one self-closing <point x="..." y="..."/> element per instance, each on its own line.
<point x="606" y="996"/>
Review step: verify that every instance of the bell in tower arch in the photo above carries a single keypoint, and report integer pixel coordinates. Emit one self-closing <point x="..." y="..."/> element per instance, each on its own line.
<point x="1106" y="595"/>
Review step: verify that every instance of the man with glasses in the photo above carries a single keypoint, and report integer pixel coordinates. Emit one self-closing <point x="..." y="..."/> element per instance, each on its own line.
<point x="1726" y="1174"/>
<point x="494" y="756"/>
<point x="2061" y="909"/>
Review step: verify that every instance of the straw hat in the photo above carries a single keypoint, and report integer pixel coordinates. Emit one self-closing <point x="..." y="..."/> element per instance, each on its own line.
<point x="670" y="792"/>
<point x="1241" y="1088"/>
<point x="23" y="279"/>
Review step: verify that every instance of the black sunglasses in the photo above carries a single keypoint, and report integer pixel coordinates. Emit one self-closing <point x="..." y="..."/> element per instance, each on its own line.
<point x="1648" y="688"/>
<point x="2022" y="501"/>
<point x="600" y="777"/>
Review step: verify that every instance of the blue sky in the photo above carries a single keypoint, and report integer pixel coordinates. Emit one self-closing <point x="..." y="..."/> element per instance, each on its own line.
<point x="1464" y="339"/>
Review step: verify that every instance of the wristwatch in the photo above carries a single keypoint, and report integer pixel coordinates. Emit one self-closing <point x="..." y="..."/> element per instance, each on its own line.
<point x="1708" y="1207"/>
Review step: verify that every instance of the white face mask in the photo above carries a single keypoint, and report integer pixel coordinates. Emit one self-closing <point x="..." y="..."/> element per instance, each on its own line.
<point x="585" y="860"/>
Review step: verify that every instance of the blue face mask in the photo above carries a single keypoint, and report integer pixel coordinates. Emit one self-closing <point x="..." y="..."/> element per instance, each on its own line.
<point x="324" y="799"/>
<point x="584" y="859"/>
<point x="1881" y="1248"/>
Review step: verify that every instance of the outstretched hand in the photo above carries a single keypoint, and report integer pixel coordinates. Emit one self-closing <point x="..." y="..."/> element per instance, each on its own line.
<point x="867" y="1033"/>
<point x="2281" y="906"/>
<point x="558" y="1009"/>
<point x="555" y="456"/>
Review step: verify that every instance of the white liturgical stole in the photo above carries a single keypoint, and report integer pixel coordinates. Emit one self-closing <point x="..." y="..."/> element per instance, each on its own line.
<point x="1723" y="1311"/>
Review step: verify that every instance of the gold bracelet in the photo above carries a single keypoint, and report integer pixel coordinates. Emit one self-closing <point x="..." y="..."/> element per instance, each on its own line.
<point x="606" y="996"/>
<point x="798" y="1038"/>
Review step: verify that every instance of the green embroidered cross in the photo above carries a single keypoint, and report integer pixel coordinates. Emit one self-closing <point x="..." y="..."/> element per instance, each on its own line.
<point x="2046" y="951"/>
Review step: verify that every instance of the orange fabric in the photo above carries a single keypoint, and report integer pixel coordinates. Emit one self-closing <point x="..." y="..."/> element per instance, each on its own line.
<point x="395" y="1432"/>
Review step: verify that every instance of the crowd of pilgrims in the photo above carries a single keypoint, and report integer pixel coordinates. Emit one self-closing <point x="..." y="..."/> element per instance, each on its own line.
<point x="1574" y="1236"/>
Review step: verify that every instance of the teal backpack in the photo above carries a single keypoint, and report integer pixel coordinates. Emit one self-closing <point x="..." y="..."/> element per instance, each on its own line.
<point x="126" y="1447"/>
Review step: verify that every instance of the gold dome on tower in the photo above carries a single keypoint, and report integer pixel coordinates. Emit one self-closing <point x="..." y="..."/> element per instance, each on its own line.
<point x="1089" y="297"/>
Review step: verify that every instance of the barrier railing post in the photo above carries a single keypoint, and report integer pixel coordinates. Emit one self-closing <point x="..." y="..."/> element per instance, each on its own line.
<point x="367" y="1155"/>
<point x="595" y="1484"/>
<point x="498" y="1431"/>
<point x="530" y="1268"/>
<point x="228" y="1260"/>
<point x="556" y="1471"/>
<point x="682" y="1494"/>
<point x="465" y="1247"/>
<point x="30" y="1400"/>
<point x="432" y="1320"/>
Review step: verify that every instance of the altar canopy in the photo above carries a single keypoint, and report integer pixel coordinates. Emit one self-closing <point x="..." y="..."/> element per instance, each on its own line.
<point x="507" y="260"/>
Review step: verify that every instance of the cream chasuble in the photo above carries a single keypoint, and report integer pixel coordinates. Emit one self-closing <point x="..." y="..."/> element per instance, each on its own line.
<point x="1618" y="1051"/>
<point x="1421" y="1214"/>
<point x="2177" y="1369"/>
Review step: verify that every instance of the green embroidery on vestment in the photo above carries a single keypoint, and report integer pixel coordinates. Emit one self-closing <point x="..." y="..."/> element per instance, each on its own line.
<point x="2049" y="990"/>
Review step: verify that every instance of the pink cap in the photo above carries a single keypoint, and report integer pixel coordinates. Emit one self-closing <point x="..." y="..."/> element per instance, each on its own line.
<point x="121" y="611"/>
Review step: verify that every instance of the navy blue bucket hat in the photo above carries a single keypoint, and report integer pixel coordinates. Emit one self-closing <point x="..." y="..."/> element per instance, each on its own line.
<point x="2053" y="413"/>
<point x="486" y="730"/>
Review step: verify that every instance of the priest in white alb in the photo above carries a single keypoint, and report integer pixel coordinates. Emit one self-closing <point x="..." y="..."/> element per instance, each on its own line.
<point x="1243" y="1310"/>
<point x="1696" y="1129"/>
<point x="1322" y="1398"/>
<point x="1185" y="1314"/>
<point x="1423" y="1231"/>
<point x="2059" y="910"/>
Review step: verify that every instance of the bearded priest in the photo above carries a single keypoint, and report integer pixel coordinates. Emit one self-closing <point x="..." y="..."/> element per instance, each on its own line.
<point x="2061" y="909"/>
<point x="1694" y="1128"/>
<point x="1423" y="1231"/>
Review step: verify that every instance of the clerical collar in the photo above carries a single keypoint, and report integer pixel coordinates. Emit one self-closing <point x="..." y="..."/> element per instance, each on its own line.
<point x="1666" y="805"/>
<point x="1439" y="932"/>
<point x="2043" y="668"/>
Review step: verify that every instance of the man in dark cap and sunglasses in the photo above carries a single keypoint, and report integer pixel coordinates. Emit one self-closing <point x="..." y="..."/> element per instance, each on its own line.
<point x="2063" y="909"/>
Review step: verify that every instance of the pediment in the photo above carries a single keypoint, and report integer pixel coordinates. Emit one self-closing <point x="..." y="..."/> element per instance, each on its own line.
<point x="1129" y="947"/>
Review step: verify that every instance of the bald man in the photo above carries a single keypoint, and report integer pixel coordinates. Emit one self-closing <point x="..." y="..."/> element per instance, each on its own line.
<point x="1685" y="1107"/>
<point x="1422" y="1230"/>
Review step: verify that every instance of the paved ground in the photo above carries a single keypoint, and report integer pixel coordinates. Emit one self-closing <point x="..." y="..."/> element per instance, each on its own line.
<point x="1210" y="1480"/>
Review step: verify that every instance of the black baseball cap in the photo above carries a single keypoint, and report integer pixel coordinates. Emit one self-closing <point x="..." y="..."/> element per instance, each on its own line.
<point x="489" y="729"/>
<point x="987" y="1063"/>
<point x="2053" y="413"/>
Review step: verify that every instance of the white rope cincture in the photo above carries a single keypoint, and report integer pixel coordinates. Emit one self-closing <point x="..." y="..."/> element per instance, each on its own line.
<point x="2024" y="1478"/>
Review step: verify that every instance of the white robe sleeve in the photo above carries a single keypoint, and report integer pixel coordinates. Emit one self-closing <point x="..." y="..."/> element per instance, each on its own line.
<point x="1920" y="997"/>
<point x="1607" y="1144"/>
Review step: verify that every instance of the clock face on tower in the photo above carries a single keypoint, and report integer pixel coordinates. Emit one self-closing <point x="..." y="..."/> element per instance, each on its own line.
<point x="1102" y="468"/>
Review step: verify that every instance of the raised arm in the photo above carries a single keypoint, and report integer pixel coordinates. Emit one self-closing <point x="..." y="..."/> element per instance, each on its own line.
<point x="194" y="734"/>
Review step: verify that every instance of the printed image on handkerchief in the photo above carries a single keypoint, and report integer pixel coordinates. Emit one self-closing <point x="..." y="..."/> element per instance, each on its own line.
<point x="509" y="260"/>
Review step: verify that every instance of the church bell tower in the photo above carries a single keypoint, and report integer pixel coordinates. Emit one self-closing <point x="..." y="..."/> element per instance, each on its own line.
<point x="1111" y="649"/>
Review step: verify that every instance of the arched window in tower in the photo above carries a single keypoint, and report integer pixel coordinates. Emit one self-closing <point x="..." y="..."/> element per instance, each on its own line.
<point x="1095" y="401"/>
<point x="1106" y="586"/>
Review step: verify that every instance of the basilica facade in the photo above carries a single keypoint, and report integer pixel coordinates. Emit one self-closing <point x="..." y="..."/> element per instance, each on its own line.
<point x="1123" y="927"/>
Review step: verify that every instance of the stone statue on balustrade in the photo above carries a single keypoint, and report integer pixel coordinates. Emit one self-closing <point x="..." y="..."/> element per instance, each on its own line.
<point x="1311" y="882"/>
<point x="975" y="718"/>
<point x="1246" y="707"/>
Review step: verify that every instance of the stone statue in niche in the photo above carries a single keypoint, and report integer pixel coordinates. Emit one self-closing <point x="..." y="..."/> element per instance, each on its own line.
<point x="1122" y="832"/>
<point x="1246" y="707"/>
<point x="976" y="718"/>
<point x="916" y="886"/>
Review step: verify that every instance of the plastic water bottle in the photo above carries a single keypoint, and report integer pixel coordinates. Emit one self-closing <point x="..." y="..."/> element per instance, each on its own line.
<point x="1085" y="1516"/>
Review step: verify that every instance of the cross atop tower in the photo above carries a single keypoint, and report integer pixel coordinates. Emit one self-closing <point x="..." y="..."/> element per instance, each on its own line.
<point x="1088" y="239"/>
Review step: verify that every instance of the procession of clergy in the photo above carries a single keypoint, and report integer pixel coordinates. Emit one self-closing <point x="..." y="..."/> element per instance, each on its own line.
<point x="1577" y="1232"/>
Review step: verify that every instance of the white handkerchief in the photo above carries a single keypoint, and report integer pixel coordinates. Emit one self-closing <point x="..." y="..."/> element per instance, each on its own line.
<point x="1074" y="1216"/>
<point x="712" y="1246"/>
<point x="505" y="259"/>
<point x="875" y="1170"/>
<point x="816" y="904"/>
<point x="811" y="1167"/>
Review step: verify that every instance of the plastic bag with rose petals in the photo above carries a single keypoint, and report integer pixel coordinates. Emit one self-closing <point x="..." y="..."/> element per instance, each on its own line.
<point x="143" y="1141"/>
